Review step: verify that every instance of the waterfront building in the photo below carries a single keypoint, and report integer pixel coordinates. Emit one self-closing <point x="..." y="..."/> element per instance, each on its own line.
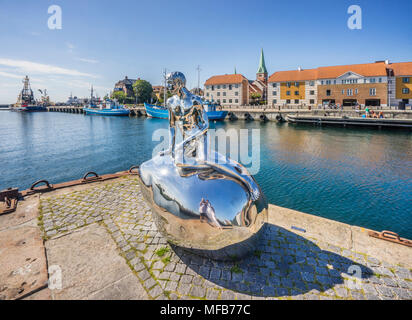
<point x="125" y="85"/>
<point x="293" y="87"/>
<point x="347" y="85"/>
<point x="400" y="83"/>
<point x="228" y="89"/>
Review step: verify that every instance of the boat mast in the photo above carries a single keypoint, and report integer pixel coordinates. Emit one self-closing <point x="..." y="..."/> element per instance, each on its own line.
<point x="198" y="79"/>
<point x="164" y="88"/>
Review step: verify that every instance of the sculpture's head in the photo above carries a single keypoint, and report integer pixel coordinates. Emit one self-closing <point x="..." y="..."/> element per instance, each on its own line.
<point x="175" y="81"/>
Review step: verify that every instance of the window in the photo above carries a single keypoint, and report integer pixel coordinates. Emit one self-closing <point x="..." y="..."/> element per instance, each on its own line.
<point x="224" y="100"/>
<point x="405" y="90"/>
<point x="288" y="93"/>
<point x="334" y="81"/>
<point x="328" y="82"/>
<point x="218" y="87"/>
<point x="321" y="82"/>
<point x="296" y="93"/>
<point x="328" y="92"/>
<point x="372" y="80"/>
<point x="312" y="101"/>
<point x="236" y="93"/>
<point x="236" y="100"/>
<point x="274" y="101"/>
<point x="274" y="85"/>
<point x="405" y="80"/>
<point x="389" y="91"/>
<point x="364" y="80"/>
<point x="343" y="91"/>
<point x="224" y="86"/>
<point x="230" y="100"/>
<point x="389" y="81"/>
<point x="312" y="83"/>
<point x="296" y="84"/>
<point x="224" y="93"/>
<point x="312" y="92"/>
<point x="213" y="88"/>
<point x="288" y="101"/>
<point x="372" y="91"/>
<point x="218" y="100"/>
<point x="274" y="93"/>
<point x="380" y="79"/>
<point x="288" y="84"/>
<point x="218" y="94"/>
<point x="207" y="94"/>
<point x="356" y="91"/>
<point x="236" y="86"/>
<point x="230" y="87"/>
<point x="297" y="101"/>
<point x="349" y="92"/>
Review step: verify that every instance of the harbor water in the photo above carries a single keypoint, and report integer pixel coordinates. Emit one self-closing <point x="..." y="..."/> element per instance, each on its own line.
<point x="358" y="176"/>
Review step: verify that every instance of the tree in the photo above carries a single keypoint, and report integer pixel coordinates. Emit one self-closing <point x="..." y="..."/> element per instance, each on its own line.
<point x="119" y="96"/>
<point x="255" y="96"/>
<point x="142" y="90"/>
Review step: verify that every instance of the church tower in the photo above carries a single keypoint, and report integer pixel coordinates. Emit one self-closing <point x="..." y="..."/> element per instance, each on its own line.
<point x="262" y="73"/>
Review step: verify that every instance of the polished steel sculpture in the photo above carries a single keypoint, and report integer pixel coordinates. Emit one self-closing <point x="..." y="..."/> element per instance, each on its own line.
<point x="201" y="200"/>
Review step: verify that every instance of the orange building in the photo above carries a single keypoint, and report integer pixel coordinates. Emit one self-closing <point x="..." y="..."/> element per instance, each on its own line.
<point x="400" y="87"/>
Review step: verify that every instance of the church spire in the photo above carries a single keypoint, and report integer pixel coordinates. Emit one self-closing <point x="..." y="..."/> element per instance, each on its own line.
<point x="262" y="66"/>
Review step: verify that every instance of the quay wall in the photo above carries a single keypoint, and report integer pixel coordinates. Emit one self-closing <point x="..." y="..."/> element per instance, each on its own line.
<point x="262" y="114"/>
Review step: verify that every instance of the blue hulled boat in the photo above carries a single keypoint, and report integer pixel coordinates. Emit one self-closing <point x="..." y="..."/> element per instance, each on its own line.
<point x="108" y="108"/>
<point x="162" y="112"/>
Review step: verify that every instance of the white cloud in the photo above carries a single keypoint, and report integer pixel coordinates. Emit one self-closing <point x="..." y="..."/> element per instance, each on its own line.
<point x="11" y="75"/>
<point x="33" y="67"/>
<point x="87" y="60"/>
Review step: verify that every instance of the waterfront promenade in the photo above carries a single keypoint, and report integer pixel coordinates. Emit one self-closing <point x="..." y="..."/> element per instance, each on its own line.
<point x="100" y="241"/>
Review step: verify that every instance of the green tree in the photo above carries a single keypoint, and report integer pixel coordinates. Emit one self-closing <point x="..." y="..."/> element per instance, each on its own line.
<point x="142" y="90"/>
<point x="119" y="96"/>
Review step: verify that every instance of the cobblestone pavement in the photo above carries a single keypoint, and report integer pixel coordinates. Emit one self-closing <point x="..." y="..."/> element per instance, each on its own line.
<point x="285" y="266"/>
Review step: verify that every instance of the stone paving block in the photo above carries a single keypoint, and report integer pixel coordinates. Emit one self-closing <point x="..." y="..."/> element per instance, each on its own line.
<point x="197" y="291"/>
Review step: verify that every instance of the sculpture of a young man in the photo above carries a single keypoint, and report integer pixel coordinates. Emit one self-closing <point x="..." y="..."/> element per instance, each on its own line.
<point x="201" y="200"/>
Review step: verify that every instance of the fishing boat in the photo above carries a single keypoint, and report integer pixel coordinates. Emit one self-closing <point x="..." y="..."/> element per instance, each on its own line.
<point x="26" y="101"/>
<point x="107" y="108"/>
<point x="161" y="112"/>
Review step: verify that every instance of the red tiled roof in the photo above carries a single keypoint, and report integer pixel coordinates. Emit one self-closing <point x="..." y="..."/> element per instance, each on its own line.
<point x="366" y="70"/>
<point x="401" y="68"/>
<point x="293" y="75"/>
<point x="225" y="79"/>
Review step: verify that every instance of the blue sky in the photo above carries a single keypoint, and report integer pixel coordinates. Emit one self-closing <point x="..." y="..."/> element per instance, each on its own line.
<point x="102" y="41"/>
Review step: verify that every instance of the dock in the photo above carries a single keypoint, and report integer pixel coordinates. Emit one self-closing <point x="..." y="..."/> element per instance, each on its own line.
<point x="134" y="111"/>
<point x="350" y="121"/>
<point x="95" y="238"/>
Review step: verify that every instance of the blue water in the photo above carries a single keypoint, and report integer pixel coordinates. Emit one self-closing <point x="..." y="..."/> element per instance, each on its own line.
<point x="357" y="176"/>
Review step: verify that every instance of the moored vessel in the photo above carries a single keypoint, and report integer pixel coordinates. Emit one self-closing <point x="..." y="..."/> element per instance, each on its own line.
<point x="26" y="101"/>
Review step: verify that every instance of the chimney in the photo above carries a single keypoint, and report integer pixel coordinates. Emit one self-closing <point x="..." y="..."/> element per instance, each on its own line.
<point x="300" y="69"/>
<point x="386" y="61"/>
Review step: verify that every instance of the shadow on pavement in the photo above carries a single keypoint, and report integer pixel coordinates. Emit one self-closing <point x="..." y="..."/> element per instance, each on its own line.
<point x="284" y="264"/>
